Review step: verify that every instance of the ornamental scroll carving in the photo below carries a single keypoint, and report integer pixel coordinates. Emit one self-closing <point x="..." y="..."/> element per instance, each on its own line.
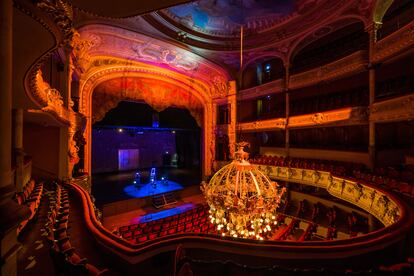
<point x="220" y="87"/>
<point x="80" y="50"/>
<point x="278" y="123"/>
<point x="55" y="106"/>
<point x="62" y="14"/>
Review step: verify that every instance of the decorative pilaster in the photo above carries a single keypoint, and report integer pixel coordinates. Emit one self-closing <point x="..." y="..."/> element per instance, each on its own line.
<point x="232" y="100"/>
<point x="372" y="30"/>
<point x="285" y="88"/>
<point x="66" y="133"/>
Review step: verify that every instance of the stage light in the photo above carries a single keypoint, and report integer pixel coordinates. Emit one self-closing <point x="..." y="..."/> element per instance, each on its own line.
<point x="120" y="130"/>
<point x="173" y="132"/>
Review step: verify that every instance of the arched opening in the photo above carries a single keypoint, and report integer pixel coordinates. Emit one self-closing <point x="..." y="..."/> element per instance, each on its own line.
<point x="327" y="46"/>
<point x="399" y="14"/>
<point x="134" y="138"/>
<point x="261" y="71"/>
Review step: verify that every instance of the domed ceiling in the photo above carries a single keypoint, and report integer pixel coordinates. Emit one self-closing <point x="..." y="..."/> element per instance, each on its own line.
<point x="272" y="28"/>
<point x="224" y="17"/>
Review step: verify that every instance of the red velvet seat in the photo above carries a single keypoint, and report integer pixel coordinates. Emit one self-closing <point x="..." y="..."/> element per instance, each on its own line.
<point x="137" y="232"/>
<point x="143" y="238"/>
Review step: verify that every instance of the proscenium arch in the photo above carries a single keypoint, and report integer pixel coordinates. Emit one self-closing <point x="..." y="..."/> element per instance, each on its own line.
<point x="199" y="89"/>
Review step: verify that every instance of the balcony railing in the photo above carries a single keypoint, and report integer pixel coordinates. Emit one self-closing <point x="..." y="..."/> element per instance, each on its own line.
<point x="343" y="116"/>
<point x="394" y="44"/>
<point x="351" y="64"/>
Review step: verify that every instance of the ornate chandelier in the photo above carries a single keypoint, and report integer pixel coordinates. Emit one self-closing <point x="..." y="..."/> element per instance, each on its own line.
<point x="242" y="199"/>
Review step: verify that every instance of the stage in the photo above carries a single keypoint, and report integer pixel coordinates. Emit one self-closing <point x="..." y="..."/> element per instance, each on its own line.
<point x="150" y="189"/>
<point x="119" y="186"/>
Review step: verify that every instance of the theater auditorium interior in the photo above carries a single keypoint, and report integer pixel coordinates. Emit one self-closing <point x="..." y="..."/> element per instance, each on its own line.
<point x="206" y="137"/>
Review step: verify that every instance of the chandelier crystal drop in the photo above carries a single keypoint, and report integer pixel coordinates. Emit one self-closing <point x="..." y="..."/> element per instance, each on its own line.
<point x="242" y="199"/>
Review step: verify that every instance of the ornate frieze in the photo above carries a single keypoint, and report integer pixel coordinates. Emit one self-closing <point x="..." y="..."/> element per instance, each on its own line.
<point x="132" y="47"/>
<point x="277" y="123"/>
<point x="401" y="108"/>
<point x="351" y="64"/>
<point x="348" y="116"/>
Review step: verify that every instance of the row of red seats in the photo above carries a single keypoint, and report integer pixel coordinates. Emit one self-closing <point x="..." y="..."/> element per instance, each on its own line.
<point x="400" y="181"/>
<point x="336" y="167"/>
<point x="56" y="233"/>
<point x="387" y="182"/>
<point x="31" y="197"/>
<point x="194" y="220"/>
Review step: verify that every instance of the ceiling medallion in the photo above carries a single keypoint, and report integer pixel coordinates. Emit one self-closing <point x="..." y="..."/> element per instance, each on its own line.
<point x="242" y="199"/>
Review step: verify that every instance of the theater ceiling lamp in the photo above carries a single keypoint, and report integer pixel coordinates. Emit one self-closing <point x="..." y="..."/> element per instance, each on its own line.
<point x="242" y="199"/>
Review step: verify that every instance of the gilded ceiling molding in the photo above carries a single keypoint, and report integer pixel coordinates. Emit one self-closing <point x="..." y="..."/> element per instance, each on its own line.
<point x="135" y="47"/>
<point x="93" y="78"/>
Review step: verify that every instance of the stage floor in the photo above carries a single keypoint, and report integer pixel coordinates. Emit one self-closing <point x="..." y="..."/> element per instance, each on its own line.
<point x="148" y="189"/>
<point x="117" y="186"/>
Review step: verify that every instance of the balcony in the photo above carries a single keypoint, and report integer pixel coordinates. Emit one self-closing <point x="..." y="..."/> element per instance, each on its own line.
<point x="346" y="66"/>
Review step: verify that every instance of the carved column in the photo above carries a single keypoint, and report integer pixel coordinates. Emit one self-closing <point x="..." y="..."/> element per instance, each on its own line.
<point x="213" y="164"/>
<point x="18" y="148"/>
<point x="285" y="88"/>
<point x="372" y="30"/>
<point x="10" y="212"/>
<point x="65" y="132"/>
<point x="232" y="99"/>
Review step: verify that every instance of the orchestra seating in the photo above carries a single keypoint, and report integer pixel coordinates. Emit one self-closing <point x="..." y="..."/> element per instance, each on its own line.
<point x="194" y="220"/>
<point x="63" y="254"/>
<point x="295" y="226"/>
<point x="31" y="197"/>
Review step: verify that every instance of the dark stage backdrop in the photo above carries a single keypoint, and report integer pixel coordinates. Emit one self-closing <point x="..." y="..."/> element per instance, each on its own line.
<point x="188" y="149"/>
<point x="152" y="146"/>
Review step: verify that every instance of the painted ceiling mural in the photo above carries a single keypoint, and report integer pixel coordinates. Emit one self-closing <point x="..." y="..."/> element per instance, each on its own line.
<point x="224" y="17"/>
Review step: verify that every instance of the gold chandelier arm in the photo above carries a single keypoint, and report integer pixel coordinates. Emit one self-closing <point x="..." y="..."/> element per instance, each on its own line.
<point x="255" y="183"/>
